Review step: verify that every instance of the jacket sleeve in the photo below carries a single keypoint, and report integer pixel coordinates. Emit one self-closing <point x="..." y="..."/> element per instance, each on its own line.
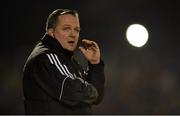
<point x="95" y="76"/>
<point x="61" y="87"/>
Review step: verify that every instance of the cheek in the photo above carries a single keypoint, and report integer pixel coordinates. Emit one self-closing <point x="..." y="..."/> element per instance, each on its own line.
<point x="78" y="37"/>
<point x="60" y="35"/>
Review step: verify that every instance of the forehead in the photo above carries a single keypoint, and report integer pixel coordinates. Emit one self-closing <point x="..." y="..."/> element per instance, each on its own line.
<point x="68" y="19"/>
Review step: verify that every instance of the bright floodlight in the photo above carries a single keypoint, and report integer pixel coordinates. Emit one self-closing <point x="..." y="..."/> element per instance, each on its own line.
<point x="137" y="35"/>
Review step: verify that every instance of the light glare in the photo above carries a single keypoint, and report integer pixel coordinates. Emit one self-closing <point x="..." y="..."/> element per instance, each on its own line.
<point x="137" y="35"/>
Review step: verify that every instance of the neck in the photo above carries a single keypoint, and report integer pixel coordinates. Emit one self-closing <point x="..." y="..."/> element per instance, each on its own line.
<point x="54" y="44"/>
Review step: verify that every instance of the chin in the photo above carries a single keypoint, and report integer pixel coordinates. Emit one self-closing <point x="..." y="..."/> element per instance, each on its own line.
<point x="71" y="49"/>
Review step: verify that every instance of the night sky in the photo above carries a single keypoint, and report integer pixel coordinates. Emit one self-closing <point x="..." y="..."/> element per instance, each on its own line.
<point x="142" y="80"/>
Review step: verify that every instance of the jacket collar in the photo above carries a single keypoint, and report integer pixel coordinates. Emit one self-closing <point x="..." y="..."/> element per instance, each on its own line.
<point x="53" y="44"/>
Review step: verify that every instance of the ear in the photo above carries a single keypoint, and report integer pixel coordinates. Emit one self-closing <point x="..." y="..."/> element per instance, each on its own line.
<point x="51" y="32"/>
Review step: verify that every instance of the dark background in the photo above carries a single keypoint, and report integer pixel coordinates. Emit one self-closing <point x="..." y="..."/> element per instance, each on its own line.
<point x="138" y="80"/>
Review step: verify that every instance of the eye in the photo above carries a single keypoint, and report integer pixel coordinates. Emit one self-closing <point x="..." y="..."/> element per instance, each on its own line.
<point x="77" y="30"/>
<point x="66" y="28"/>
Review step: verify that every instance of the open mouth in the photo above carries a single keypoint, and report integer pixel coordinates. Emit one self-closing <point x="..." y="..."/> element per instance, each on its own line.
<point x="71" y="42"/>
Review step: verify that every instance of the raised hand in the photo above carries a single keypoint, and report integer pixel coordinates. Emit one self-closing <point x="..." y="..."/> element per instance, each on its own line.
<point x="91" y="51"/>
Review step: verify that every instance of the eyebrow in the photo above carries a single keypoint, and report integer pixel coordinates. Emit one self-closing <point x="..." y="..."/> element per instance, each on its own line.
<point x="70" y="25"/>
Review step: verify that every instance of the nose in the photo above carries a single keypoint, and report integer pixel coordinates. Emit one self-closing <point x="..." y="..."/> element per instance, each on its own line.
<point x="73" y="34"/>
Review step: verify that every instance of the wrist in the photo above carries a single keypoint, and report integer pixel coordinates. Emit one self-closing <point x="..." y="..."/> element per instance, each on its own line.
<point x="94" y="61"/>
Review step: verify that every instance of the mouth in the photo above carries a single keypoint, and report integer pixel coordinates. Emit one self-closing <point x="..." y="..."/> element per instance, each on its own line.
<point x="71" y="42"/>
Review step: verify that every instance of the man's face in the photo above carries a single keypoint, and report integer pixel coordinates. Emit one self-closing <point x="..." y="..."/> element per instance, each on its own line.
<point x="67" y="31"/>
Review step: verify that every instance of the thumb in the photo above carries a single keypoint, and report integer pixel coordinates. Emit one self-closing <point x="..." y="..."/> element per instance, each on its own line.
<point x="82" y="49"/>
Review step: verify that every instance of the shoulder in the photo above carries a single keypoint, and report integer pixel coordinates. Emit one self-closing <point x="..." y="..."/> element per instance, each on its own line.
<point x="38" y="52"/>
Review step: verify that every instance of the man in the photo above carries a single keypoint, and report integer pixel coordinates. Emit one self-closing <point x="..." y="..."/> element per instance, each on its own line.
<point x="53" y="81"/>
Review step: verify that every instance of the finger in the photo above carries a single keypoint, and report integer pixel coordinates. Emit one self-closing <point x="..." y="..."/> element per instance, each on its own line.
<point x="85" y="41"/>
<point x="88" y="43"/>
<point x="95" y="44"/>
<point x="82" y="49"/>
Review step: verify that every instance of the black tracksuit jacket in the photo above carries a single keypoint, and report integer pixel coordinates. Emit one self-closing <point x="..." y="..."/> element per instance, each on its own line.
<point x="55" y="83"/>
